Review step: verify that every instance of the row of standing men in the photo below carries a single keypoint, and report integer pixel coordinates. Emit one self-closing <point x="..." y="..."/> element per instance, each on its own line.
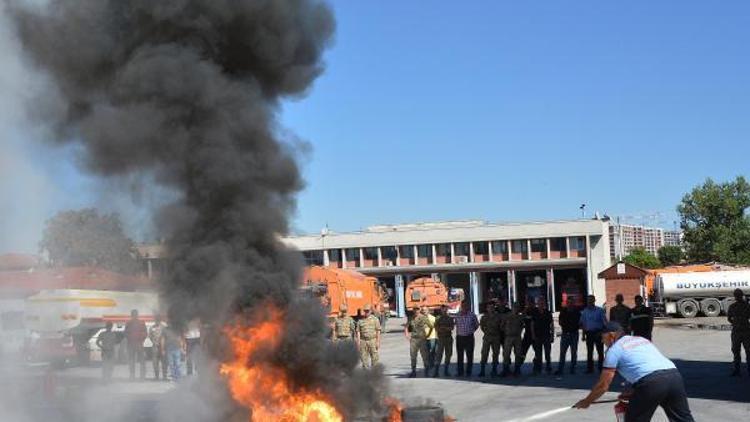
<point x="515" y="330"/>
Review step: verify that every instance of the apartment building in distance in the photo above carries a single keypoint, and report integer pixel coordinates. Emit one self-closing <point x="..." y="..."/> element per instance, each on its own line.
<point x="623" y="238"/>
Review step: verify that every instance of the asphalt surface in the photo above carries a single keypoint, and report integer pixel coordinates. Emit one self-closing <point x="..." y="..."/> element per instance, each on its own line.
<point x="703" y="357"/>
<point x="700" y="348"/>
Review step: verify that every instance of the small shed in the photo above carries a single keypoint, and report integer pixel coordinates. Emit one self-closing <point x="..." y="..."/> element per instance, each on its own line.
<point x="625" y="279"/>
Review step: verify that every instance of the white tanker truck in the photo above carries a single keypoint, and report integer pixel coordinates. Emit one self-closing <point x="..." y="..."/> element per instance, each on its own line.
<point x="710" y="293"/>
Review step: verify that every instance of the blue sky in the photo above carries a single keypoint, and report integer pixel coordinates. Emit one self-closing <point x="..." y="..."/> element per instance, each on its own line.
<point x="523" y="110"/>
<point x="497" y="110"/>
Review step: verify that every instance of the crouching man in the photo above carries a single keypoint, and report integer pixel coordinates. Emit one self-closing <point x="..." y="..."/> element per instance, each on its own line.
<point x="654" y="378"/>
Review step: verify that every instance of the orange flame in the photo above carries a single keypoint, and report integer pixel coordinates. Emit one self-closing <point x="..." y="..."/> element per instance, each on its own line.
<point x="394" y="409"/>
<point x="263" y="388"/>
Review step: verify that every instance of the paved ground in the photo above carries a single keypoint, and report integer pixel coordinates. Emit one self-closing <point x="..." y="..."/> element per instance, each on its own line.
<point x="701" y="355"/>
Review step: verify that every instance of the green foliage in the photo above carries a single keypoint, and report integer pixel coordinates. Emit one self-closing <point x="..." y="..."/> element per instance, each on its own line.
<point x="84" y="237"/>
<point x="642" y="258"/>
<point x="715" y="223"/>
<point x="670" y="255"/>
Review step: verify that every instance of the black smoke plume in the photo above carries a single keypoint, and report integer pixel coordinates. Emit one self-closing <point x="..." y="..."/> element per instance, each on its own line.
<point x="187" y="92"/>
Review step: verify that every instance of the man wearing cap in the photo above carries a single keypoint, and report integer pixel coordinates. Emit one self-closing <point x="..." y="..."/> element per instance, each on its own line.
<point x="343" y="326"/>
<point x="512" y="324"/>
<point x="738" y="315"/>
<point x="641" y="319"/>
<point x="490" y="325"/>
<point x="444" y="325"/>
<point x="417" y="329"/>
<point x="368" y="338"/>
<point x="655" y="380"/>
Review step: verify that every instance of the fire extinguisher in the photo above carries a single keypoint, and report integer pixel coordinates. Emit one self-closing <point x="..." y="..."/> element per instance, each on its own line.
<point x="621" y="408"/>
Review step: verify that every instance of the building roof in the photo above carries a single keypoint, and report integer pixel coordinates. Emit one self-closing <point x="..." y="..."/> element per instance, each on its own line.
<point x="17" y="261"/>
<point x="20" y="284"/>
<point x="467" y="231"/>
<point x="623" y="270"/>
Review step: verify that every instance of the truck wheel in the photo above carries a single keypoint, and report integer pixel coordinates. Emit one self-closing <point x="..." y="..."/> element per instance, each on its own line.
<point x="688" y="308"/>
<point x="711" y="307"/>
<point x="726" y="303"/>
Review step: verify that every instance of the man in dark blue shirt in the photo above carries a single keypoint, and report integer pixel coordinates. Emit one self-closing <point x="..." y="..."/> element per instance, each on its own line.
<point x="570" y="320"/>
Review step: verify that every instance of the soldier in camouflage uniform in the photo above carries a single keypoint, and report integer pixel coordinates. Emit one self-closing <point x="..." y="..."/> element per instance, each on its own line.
<point x="490" y="325"/>
<point x="444" y="325"/>
<point x="343" y="326"/>
<point x="512" y="325"/>
<point x="368" y="338"/>
<point x="417" y="331"/>
<point x="739" y="316"/>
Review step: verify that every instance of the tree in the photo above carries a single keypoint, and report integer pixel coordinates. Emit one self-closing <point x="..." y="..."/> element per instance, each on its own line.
<point x="670" y="255"/>
<point x="85" y="237"/>
<point x="715" y="224"/>
<point x="642" y="258"/>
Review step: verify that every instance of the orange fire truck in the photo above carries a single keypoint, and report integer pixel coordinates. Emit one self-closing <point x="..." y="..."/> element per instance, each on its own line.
<point x="336" y="287"/>
<point x="426" y="291"/>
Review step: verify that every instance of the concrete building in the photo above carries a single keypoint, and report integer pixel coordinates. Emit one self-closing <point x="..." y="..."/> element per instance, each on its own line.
<point x="623" y="238"/>
<point x="516" y="261"/>
<point x="672" y="238"/>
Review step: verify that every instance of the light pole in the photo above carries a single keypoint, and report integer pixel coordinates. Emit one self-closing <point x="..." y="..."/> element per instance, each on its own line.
<point x="583" y="210"/>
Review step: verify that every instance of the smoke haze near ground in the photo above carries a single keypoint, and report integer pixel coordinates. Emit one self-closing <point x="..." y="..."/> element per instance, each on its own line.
<point x="185" y="93"/>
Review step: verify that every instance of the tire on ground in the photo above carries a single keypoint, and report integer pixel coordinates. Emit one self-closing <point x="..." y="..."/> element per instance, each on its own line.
<point x="423" y="414"/>
<point x="688" y="308"/>
<point x="711" y="307"/>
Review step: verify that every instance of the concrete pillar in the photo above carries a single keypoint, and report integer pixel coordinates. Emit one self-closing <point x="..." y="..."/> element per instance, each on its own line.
<point x="551" y="289"/>
<point x="398" y="255"/>
<point x="508" y="247"/>
<point x="380" y="257"/>
<point x="400" y="296"/>
<point x="416" y="254"/>
<point x="471" y="251"/>
<point x="489" y="250"/>
<point x="434" y="254"/>
<point x="589" y="273"/>
<point x="549" y="249"/>
<point x="326" y="260"/>
<point x="528" y="248"/>
<point x="453" y="254"/>
<point x="567" y="247"/>
<point x="361" y="257"/>
<point x="474" y="292"/>
<point x="512" y="285"/>
<point x="343" y="258"/>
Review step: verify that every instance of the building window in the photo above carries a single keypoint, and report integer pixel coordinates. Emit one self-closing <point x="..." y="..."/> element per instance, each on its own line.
<point x="352" y="254"/>
<point x="557" y="244"/>
<point x="519" y="246"/>
<point x="334" y="255"/>
<point x="499" y="247"/>
<point x="461" y="249"/>
<point x="443" y="249"/>
<point x="389" y="254"/>
<point x="578" y="243"/>
<point x="313" y="257"/>
<point x="371" y="253"/>
<point x="406" y="252"/>
<point x="424" y="251"/>
<point x="480" y="248"/>
<point x="538" y="245"/>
